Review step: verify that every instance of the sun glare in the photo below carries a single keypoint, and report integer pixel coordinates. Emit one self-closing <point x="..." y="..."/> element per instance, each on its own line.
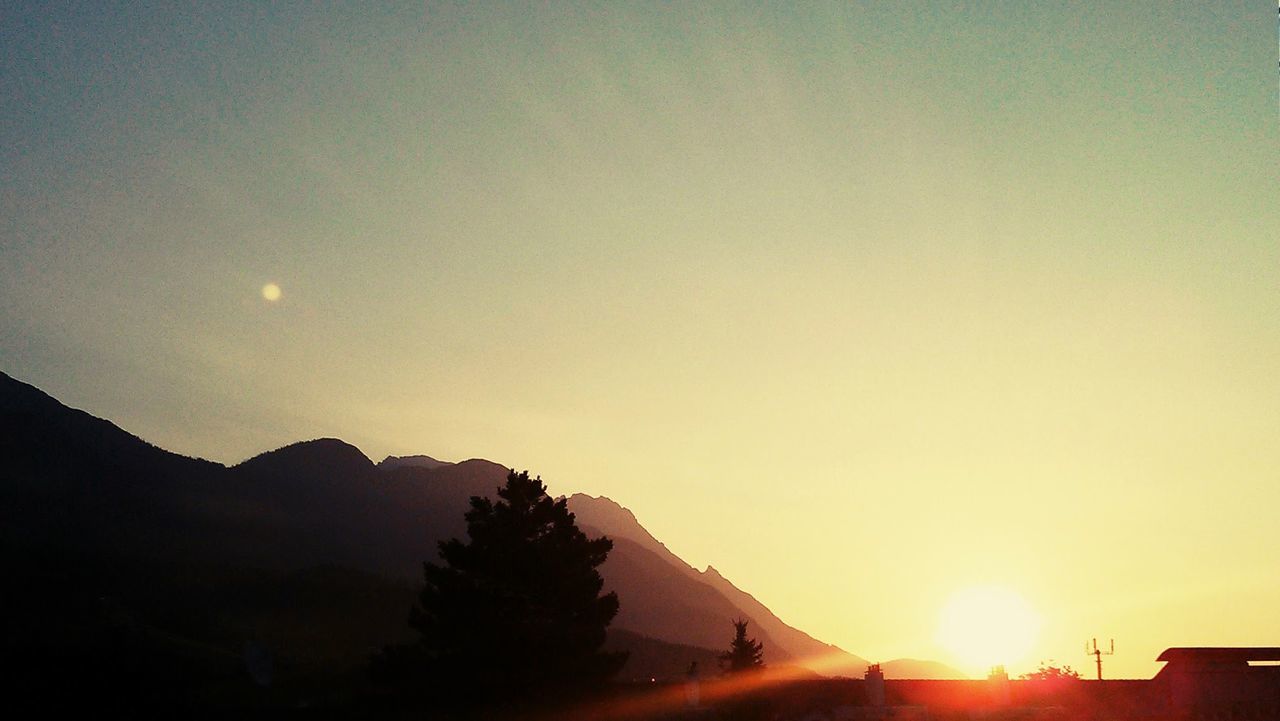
<point x="271" y="292"/>
<point x="987" y="626"/>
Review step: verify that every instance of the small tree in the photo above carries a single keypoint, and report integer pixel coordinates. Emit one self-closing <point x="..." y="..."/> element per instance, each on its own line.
<point x="744" y="654"/>
<point x="1049" y="672"/>
<point x="517" y="610"/>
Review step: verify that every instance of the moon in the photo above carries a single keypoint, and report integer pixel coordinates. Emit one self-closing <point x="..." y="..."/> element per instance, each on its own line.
<point x="271" y="292"/>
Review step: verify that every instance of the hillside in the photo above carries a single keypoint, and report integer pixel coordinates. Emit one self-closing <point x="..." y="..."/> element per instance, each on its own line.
<point x="214" y="556"/>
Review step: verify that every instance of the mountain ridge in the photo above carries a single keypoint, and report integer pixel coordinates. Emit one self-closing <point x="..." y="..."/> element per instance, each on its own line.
<point x="73" y="478"/>
<point x="418" y="461"/>
<point x="798" y="647"/>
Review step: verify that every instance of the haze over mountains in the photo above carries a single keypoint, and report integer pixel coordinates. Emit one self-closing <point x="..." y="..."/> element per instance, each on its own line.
<point x="314" y="551"/>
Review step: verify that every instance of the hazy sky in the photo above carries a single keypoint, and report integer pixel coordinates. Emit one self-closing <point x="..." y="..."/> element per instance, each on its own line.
<point x="863" y="305"/>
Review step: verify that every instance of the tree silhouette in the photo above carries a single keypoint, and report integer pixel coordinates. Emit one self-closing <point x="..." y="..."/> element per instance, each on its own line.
<point x="744" y="654"/>
<point x="1050" y="672"/>
<point x="517" y="611"/>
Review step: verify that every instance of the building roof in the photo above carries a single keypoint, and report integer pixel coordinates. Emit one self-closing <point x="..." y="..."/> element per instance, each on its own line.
<point x="1230" y="654"/>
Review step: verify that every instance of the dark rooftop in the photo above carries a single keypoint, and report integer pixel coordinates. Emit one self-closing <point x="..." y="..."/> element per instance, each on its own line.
<point x="1221" y="654"/>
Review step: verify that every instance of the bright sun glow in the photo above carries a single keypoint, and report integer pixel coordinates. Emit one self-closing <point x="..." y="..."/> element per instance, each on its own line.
<point x="271" y="292"/>
<point x="986" y="626"/>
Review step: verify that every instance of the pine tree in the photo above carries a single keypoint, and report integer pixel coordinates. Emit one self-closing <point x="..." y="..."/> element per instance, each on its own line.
<point x="744" y="654"/>
<point x="517" y="610"/>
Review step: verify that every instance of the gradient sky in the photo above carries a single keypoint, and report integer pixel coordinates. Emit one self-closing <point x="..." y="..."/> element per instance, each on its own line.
<point x="861" y="305"/>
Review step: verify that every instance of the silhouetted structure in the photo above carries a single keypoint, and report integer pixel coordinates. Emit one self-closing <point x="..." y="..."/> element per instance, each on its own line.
<point x="874" y="682"/>
<point x="998" y="687"/>
<point x="1198" y="684"/>
<point x="1221" y="683"/>
<point x="1093" y="649"/>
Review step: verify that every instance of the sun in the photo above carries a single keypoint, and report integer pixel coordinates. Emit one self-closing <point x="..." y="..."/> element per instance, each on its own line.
<point x="985" y="626"/>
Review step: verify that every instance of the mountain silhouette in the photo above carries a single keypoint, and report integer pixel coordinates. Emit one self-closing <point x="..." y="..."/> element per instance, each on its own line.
<point x="312" y="535"/>
<point x="391" y="462"/>
<point x="311" y="461"/>
<point x="782" y="643"/>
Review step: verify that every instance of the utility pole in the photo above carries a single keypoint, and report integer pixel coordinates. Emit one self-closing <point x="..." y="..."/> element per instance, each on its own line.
<point x="1092" y="649"/>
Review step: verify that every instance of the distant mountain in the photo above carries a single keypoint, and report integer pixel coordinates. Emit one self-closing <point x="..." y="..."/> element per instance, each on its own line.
<point x="313" y="462"/>
<point x="214" y="555"/>
<point x="610" y="517"/>
<point x="809" y="652"/>
<point x="783" y="643"/>
<point x="391" y="462"/>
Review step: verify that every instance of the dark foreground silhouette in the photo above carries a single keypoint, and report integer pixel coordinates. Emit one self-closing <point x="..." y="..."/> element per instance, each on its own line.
<point x="214" y="555"/>
<point x="514" y="614"/>
<point x="136" y="577"/>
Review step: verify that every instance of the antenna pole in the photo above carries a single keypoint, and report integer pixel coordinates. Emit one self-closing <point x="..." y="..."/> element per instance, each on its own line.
<point x="1092" y="649"/>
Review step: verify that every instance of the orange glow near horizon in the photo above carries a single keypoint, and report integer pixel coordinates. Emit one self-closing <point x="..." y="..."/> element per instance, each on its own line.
<point x="986" y="626"/>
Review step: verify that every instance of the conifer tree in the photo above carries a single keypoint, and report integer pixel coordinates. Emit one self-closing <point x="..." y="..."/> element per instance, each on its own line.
<point x="744" y="653"/>
<point x="517" y="610"/>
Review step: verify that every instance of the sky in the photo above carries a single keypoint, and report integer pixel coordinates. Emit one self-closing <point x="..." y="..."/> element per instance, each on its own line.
<point x="866" y="305"/>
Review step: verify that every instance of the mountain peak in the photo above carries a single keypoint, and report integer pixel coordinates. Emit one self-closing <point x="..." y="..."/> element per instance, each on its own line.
<point x="321" y="456"/>
<point x="605" y="506"/>
<point x="602" y="512"/>
<point x="417" y="461"/>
